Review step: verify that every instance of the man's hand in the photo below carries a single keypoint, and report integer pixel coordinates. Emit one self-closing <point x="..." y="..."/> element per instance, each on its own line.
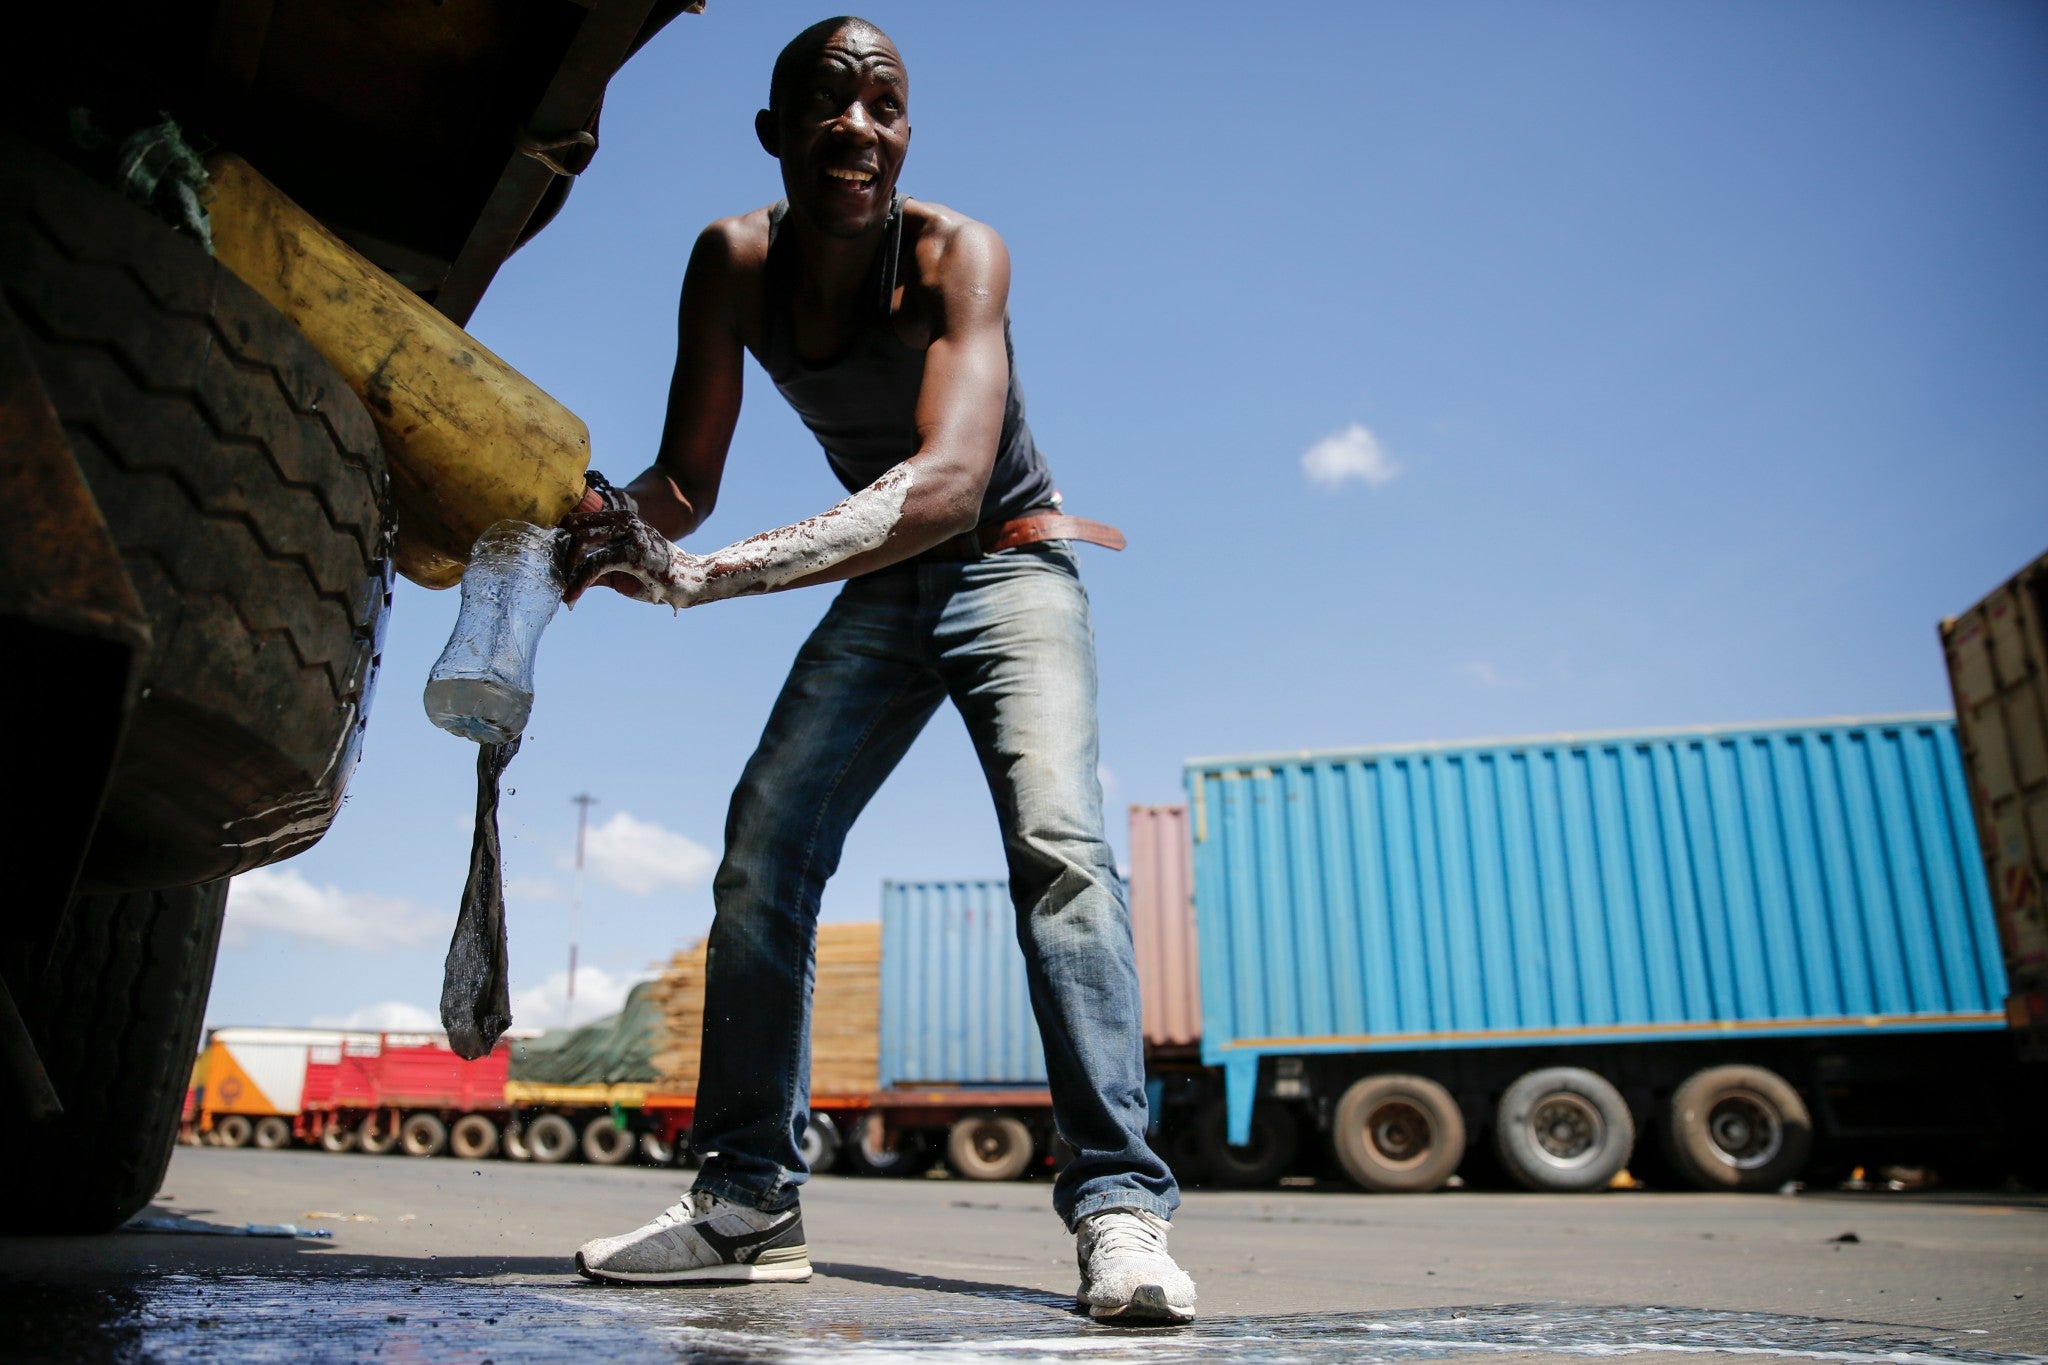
<point x="660" y="504"/>
<point x="616" y="547"/>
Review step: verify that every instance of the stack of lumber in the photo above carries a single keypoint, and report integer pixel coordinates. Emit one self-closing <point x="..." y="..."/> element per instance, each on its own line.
<point x="846" y="1008"/>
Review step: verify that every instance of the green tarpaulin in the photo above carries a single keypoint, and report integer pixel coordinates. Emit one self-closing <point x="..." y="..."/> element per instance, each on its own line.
<point x="615" y="1050"/>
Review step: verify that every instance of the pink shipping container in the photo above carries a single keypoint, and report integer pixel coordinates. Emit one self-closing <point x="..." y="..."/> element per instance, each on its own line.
<point x="1163" y="927"/>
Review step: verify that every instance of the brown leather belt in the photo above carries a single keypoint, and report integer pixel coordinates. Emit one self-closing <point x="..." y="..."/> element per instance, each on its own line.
<point x="994" y="537"/>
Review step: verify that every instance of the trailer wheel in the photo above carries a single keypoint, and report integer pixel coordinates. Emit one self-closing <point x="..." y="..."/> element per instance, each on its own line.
<point x="1563" y="1129"/>
<point x="605" y="1143"/>
<point x="473" y="1138"/>
<point x="820" y="1145"/>
<point x="335" y="1138"/>
<point x="656" y="1152"/>
<point x="874" y="1150"/>
<point x="233" y="1130"/>
<point x="423" y="1135"/>
<point x="551" y="1139"/>
<point x="378" y="1134"/>
<point x="515" y="1142"/>
<point x="272" y="1133"/>
<point x="988" y="1147"/>
<point x="1263" y="1160"/>
<point x="1398" y="1134"/>
<point x="1738" y="1128"/>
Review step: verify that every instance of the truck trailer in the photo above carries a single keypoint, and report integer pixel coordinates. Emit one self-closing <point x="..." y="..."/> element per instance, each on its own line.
<point x="1718" y="953"/>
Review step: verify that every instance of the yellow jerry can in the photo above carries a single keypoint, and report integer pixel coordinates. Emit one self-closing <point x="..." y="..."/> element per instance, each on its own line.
<point x="470" y="440"/>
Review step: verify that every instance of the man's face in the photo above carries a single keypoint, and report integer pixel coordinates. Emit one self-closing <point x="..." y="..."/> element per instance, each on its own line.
<point x="841" y="133"/>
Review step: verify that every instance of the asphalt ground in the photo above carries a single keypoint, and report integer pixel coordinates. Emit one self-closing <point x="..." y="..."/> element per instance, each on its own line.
<point x="440" y="1260"/>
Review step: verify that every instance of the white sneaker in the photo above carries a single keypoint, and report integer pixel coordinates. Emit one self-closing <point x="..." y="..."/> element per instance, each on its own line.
<point x="706" y="1238"/>
<point x="1127" y="1274"/>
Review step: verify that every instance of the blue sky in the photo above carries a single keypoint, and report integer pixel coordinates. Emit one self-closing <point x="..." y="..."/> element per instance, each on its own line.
<point x="1456" y="370"/>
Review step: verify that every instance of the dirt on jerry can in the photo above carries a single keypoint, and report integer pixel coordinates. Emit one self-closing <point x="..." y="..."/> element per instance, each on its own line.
<point x="470" y="440"/>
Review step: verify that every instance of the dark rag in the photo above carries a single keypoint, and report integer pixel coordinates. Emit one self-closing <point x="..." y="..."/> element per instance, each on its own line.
<point x="476" y="1004"/>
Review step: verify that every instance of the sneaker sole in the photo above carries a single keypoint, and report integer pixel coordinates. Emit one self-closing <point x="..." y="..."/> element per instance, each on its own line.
<point x="1148" y="1305"/>
<point x="784" y="1272"/>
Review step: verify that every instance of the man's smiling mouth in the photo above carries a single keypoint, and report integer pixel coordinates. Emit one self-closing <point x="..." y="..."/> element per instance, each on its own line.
<point x="851" y="176"/>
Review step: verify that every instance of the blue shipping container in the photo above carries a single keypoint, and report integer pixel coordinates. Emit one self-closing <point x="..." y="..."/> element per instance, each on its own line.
<point x="955" y="1008"/>
<point x="1737" y="881"/>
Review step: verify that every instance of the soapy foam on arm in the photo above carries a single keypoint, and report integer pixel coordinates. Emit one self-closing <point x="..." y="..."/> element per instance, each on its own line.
<point x="859" y="523"/>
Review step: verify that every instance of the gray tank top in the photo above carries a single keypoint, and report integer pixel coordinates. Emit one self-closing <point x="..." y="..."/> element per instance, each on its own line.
<point x="862" y="405"/>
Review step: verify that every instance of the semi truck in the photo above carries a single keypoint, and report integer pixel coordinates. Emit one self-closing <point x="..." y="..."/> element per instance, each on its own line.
<point x="1726" y="955"/>
<point x="545" y="1096"/>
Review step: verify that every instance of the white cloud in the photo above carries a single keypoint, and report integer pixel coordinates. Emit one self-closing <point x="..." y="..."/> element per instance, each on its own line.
<point x="640" y="857"/>
<point x="1353" y="453"/>
<point x="386" y="1016"/>
<point x="598" y="993"/>
<point x="1487" y="675"/>
<point x="1105" y="777"/>
<point x="533" y="889"/>
<point x="282" y="901"/>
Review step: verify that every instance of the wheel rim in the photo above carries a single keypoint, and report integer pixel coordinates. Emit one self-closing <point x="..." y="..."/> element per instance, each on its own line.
<point x="1568" y="1131"/>
<point x="991" y="1143"/>
<point x="1744" y="1131"/>
<point x="1399" y="1133"/>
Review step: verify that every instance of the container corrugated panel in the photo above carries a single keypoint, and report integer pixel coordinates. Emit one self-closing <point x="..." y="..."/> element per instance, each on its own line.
<point x="1779" y="879"/>
<point x="1998" y="669"/>
<point x="1163" y="926"/>
<point x="955" y="1008"/>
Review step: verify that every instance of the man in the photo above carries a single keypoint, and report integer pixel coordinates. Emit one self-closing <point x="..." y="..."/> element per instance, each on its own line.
<point x="884" y="322"/>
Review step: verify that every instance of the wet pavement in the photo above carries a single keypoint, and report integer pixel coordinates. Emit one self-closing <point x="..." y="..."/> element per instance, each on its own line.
<point x="446" y="1261"/>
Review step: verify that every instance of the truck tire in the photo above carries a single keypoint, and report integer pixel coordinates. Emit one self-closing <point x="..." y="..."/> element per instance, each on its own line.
<point x="515" y="1142"/>
<point x="605" y="1143"/>
<point x="656" y="1151"/>
<point x="273" y="1133"/>
<point x="233" y="1130"/>
<point x="872" y="1150"/>
<point x="988" y="1147"/>
<point x="1738" y="1128"/>
<point x="115" y="1016"/>
<point x="820" y="1145"/>
<point x="247" y="492"/>
<point x="1563" y="1129"/>
<point x="473" y="1138"/>
<point x="378" y="1134"/>
<point x="1398" y="1134"/>
<point x="336" y="1138"/>
<point x="1275" y="1141"/>
<point x="551" y="1139"/>
<point x="423" y="1135"/>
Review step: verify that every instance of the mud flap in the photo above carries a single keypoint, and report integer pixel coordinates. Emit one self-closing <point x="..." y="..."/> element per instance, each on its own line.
<point x="1240" y="1092"/>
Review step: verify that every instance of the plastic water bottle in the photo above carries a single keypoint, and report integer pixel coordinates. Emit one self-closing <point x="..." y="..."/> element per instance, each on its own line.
<point x="482" y="685"/>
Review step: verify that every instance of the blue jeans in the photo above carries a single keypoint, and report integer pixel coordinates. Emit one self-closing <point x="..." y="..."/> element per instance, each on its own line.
<point x="1007" y="637"/>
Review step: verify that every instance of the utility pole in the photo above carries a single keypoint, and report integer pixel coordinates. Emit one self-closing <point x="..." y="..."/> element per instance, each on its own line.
<point x="583" y="802"/>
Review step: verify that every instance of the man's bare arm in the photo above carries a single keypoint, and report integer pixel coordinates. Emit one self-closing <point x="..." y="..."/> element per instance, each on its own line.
<point x="934" y="495"/>
<point x="678" y="491"/>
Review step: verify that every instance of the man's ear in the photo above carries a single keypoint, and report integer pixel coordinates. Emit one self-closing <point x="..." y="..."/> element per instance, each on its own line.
<point x="768" y="133"/>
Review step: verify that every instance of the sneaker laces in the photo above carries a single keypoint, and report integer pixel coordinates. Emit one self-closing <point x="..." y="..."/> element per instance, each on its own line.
<point x="1131" y="1232"/>
<point x="693" y="1205"/>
